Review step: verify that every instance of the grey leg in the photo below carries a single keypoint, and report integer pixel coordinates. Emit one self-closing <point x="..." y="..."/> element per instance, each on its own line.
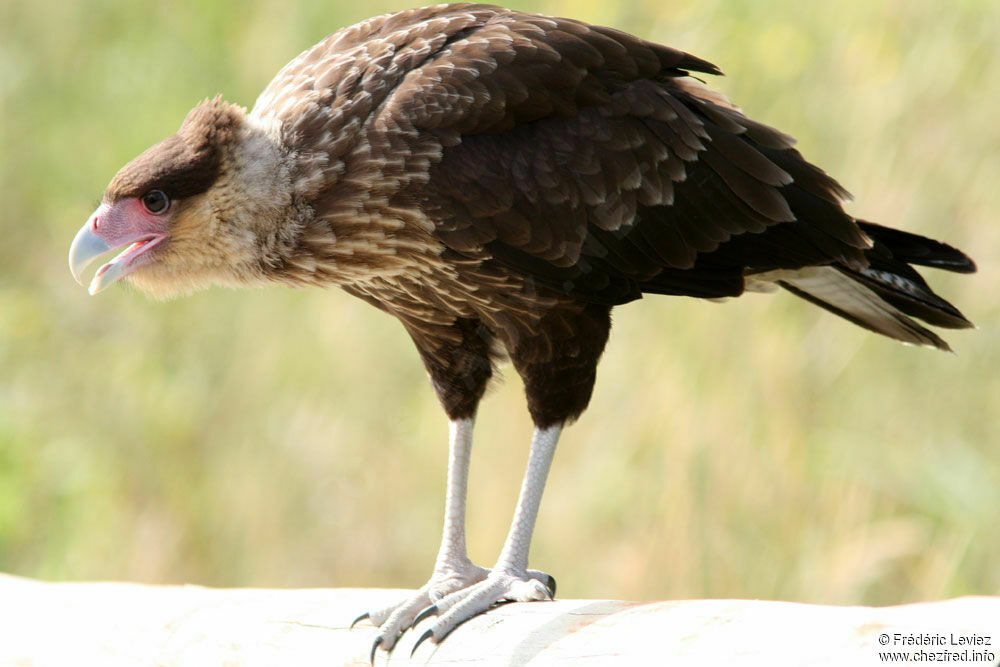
<point x="453" y="570"/>
<point x="509" y="579"/>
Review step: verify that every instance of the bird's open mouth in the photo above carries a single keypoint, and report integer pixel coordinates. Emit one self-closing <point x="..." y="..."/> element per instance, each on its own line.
<point x="88" y="246"/>
<point x="118" y="267"/>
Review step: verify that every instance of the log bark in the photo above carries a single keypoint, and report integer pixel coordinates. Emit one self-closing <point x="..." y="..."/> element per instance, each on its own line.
<point x="130" y="624"/>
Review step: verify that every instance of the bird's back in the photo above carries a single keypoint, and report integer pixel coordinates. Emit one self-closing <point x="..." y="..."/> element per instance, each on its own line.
<point x="572" y="161"/>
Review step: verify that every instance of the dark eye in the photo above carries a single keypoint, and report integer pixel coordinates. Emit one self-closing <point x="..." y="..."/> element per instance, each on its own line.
<point x="155" y="201"/>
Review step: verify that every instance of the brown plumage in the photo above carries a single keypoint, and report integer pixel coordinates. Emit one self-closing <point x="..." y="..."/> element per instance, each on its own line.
<point x="498" y="181"/>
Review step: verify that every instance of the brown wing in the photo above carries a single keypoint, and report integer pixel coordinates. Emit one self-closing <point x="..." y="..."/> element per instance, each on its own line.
<point x="588" y="160"/>
<point x="581" y="157"/>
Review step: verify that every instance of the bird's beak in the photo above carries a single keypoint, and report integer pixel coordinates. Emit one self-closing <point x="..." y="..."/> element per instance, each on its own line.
<point x="108" y="228"/>
<point x="86" y="247"/>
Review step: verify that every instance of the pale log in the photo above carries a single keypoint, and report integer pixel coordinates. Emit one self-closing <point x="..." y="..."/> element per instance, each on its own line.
<point x="113" y="624"/>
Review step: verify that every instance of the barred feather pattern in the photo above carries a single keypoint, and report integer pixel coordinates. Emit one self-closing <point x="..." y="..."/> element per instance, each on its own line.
<point x="555" y="160"/>
<point x="500" y="180"/>
<point x="469" y="163"/>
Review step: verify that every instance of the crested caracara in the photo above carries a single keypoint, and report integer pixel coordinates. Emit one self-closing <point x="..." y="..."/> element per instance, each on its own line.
<point x="498" y="181"/>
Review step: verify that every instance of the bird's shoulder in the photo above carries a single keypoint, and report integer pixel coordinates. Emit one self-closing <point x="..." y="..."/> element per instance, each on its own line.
<point x="457" y="69"/>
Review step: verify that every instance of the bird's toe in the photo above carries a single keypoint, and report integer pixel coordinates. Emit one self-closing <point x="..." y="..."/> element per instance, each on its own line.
<point x="459" y="607"/>
<point x="380" y="617"/>
<point x="546" y="579"/>
<point x="394" y="620"/>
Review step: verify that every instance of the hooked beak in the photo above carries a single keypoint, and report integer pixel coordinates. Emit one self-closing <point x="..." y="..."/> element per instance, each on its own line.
<point x="104" y="231"/>
<point x="86" y="247"/>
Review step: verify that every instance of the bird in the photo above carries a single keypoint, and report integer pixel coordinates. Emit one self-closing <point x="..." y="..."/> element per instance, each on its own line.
<point x="498" y="181"/>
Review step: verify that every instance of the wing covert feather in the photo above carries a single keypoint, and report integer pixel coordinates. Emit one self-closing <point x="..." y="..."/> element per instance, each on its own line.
<point x="570" y="150"/>
<point x="581" y="157"/>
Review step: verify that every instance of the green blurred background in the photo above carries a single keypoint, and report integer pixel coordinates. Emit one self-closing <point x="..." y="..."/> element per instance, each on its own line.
<point x="761" y="448"/>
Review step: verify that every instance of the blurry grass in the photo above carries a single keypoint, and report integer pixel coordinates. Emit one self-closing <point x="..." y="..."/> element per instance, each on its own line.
<point x="280" y="438"/>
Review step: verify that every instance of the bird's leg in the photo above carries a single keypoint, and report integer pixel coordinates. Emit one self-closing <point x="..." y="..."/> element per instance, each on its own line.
<point x="453" y="556"/>
<point x="557" y="361"/>
<point x="509" y="579"/>
<point x="453" y="570"/>
<point x="514" y="556"/>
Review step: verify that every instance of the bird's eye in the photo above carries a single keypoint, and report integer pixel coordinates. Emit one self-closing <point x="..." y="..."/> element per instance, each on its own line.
<point x="156" y="201"/>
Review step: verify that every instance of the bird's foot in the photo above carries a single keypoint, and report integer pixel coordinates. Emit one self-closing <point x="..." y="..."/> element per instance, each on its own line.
<point x="394" y="620"/>
<point x="500" y="586"/>
<point x="455" y="594"/>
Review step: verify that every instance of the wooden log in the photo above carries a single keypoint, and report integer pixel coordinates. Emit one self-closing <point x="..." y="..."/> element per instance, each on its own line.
<point x="113" y="624"/>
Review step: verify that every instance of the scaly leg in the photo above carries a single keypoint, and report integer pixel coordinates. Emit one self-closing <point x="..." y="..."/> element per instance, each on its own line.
<point x="453" y="570"/>
<point x="509" y="579"/>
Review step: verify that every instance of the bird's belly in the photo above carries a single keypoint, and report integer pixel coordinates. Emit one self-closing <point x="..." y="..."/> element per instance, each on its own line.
<point x="446" y="293"/>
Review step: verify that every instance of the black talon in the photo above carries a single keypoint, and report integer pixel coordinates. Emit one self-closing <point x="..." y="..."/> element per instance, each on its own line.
<point x="358" y="620"/>
<point x="551" y="585"/>
<point x="375" y="645"/>
<point x="426" y="635"/>
<point x="428" y="611"/>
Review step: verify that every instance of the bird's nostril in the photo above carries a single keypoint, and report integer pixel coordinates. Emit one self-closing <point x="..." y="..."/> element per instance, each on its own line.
<point x="96" y="222"/>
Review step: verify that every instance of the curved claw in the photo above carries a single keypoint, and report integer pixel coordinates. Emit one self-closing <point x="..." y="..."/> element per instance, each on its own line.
<point x="426" y="635"/>
<point x="428" y="611"/>
<point x="551" y="585"/>
<point x="375" y="645"/>
<point x="358" y="620"/>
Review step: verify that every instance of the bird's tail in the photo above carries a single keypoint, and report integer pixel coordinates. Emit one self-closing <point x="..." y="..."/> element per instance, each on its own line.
<point x="889" y="293"/>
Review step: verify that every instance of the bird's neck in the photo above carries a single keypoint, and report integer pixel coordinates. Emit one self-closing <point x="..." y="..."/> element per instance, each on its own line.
<point x="257" y="194"/>
<point x="316" y="228"/>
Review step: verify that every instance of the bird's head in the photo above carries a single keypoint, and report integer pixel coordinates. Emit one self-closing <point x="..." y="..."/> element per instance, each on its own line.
<point x="199" y="208"/>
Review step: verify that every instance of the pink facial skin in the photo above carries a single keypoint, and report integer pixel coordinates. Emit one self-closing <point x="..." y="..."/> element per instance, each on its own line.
<point x="126" y="223"/>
